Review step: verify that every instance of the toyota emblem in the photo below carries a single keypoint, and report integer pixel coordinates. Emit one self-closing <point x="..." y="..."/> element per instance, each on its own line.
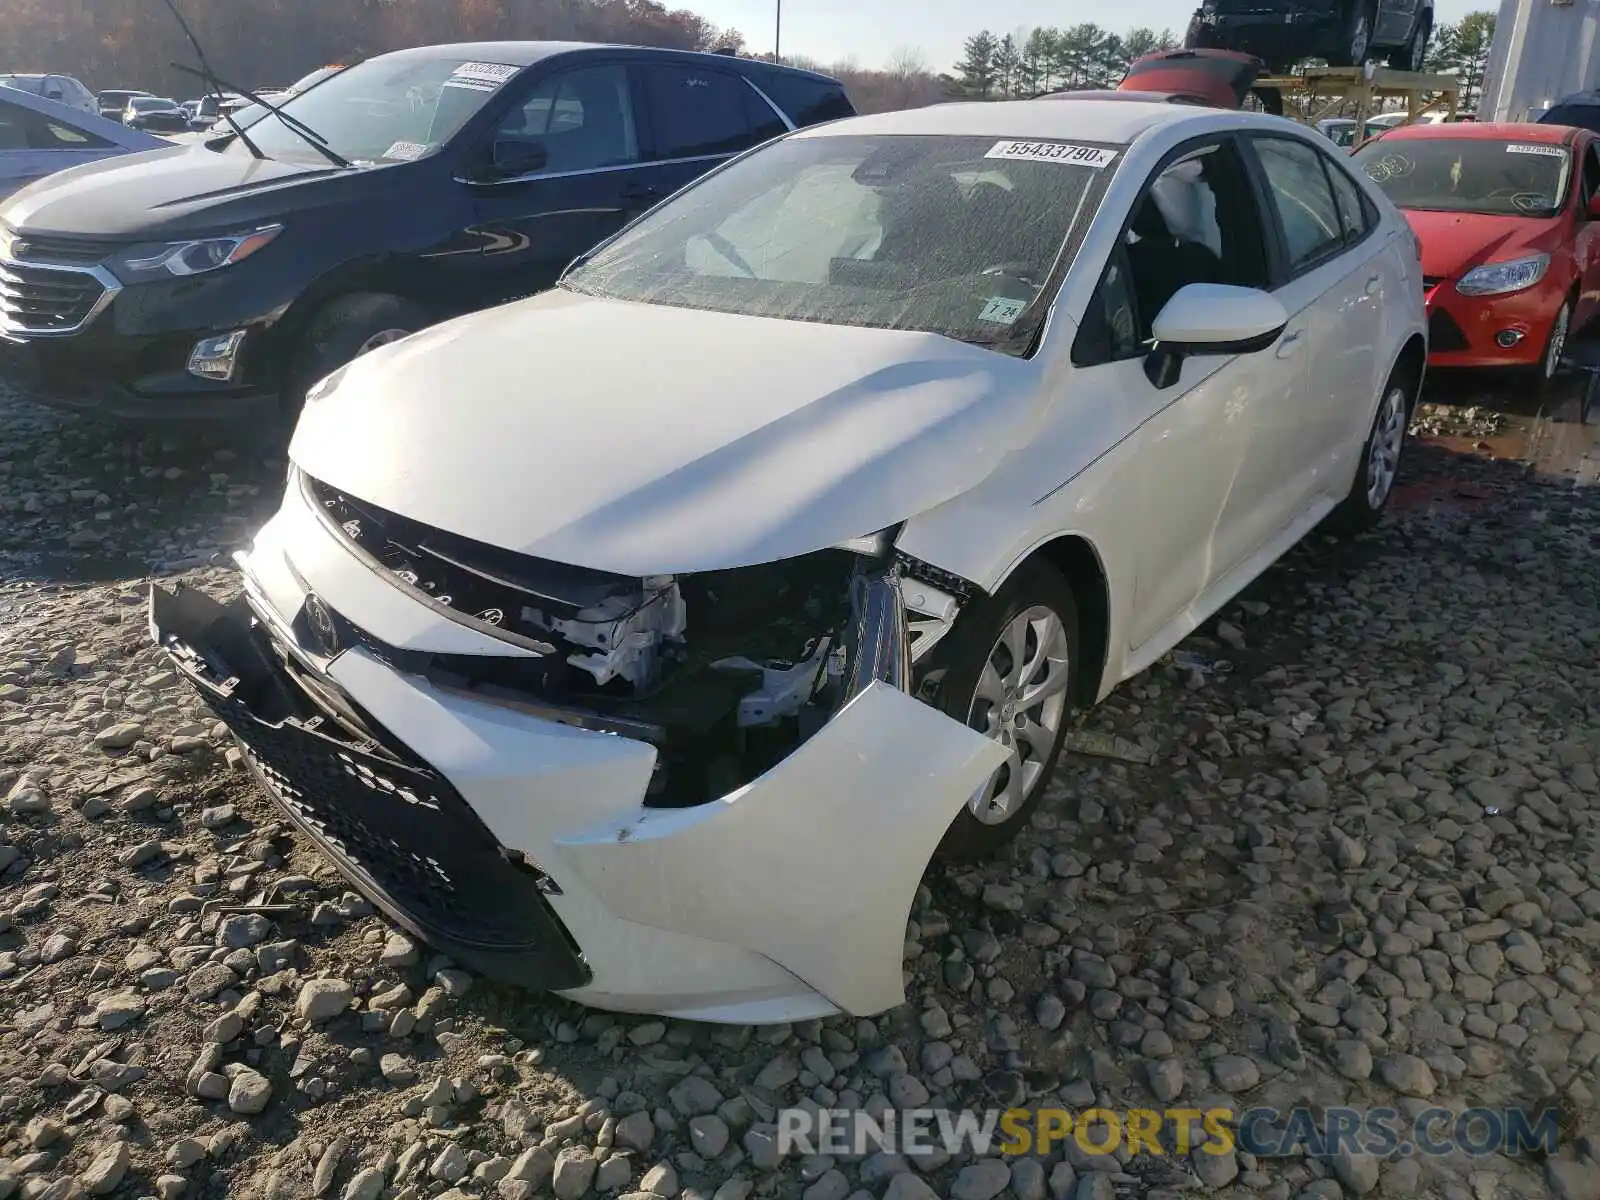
<point x="319" y="620"/>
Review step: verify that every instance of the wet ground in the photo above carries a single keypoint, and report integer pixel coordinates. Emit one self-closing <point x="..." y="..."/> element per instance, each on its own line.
<point x="1476" y="434"/>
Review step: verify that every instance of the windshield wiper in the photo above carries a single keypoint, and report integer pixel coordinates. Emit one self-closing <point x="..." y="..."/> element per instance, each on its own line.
<point x="210" y="79"/>
<point x="294" y="125"/>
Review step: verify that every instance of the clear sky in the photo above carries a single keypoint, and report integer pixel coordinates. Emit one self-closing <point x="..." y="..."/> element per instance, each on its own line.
<point x="871" y="31"/>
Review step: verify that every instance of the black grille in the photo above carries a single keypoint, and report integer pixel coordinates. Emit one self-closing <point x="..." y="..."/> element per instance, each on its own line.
<point x="1443" y="332"/>
<point x="55" y="248"/>
<point x="47" y="300"/>
<point x="398" y="829"/>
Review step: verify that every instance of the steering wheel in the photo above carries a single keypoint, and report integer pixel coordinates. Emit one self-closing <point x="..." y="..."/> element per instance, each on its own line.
<point x="730" y="253"/>
<point x="1019" y="272"/>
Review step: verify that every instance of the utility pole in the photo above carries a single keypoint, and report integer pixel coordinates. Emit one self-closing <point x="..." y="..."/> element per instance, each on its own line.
<point x="777" y="31"/>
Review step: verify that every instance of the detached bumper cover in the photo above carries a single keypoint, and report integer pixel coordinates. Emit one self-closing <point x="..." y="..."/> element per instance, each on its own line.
<point x="398" y="830"/>
<point x="783" y="900"/>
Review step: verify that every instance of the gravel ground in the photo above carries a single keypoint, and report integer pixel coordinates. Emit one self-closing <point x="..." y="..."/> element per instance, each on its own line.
<point x="1342" y="852"/>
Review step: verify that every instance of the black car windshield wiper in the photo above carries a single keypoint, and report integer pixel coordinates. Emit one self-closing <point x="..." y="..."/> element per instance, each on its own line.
<point x="294" y="125"/>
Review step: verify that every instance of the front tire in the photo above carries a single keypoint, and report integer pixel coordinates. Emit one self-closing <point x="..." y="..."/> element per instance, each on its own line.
<point x="341" y="331"/>
<point x="1555" y="345"/>
<point x="1414" y="54"/>
<point x="1355" y="44"/>
<point x="1380" y="459"/>
<point x="1010" y="670"/>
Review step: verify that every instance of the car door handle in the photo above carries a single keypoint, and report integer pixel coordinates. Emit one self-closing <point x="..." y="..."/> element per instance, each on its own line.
<point x="641" y="191"/>
<point x="1291" y="344"/>
<point x="1374" y="284"/>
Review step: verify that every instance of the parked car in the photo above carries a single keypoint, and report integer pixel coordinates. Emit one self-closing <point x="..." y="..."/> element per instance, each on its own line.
<point x="1345" y="33"/>
<point x="1341" y="131"/>
<point x="40" y="137"/>
<point x="210" y="283"/>
<point x="156" y="114"/>
<point x="113" y="103"/>
<point x="250" y="111"/>
<point x="793" y="526"/>
<point x="63" y="89"/>
<point x="1579" y="111"/>
<point x="1508" y="217"/>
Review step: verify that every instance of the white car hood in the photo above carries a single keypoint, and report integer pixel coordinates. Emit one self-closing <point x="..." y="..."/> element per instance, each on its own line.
<point x="643" y="439"/>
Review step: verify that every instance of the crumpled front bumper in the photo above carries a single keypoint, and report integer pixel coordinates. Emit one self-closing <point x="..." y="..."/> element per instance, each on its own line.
<point x="521" y="846"/>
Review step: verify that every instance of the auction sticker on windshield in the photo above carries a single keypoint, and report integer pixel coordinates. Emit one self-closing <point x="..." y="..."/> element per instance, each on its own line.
<point x="1057" y="152"/>
<point x="481" y="76"/>
<point x="405" y="151"/>
<point x="1525" y="148"/>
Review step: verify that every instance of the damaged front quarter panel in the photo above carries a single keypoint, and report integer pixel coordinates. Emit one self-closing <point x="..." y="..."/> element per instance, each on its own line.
<point x="814" y="864"/>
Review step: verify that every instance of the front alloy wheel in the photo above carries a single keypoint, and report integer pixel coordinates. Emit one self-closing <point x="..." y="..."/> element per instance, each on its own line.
<point x="1021" y="702"/>
<point x="1357" y="40"/>
<point x="1009" y="670"/>
<point x="1556" y="346"/>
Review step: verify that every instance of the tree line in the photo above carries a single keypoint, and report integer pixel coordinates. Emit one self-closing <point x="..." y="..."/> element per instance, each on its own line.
<point x="1032" y="62"/>
<point x="129" y="43"/>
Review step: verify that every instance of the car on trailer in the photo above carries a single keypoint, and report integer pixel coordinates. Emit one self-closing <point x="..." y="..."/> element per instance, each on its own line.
<point x="1344" y="33"/>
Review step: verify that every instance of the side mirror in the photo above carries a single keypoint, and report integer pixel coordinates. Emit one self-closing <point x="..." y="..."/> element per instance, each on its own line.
<point x="1208" y="319"/>
<point x="512" y="157"/>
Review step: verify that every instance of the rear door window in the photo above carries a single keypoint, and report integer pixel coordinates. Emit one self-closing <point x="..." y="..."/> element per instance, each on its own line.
<point x="1301" y="193"/>
<point x="807" y="101"/>
<point x="698" y="113"/>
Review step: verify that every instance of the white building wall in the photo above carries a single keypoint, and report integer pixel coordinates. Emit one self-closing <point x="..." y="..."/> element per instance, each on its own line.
<point x="1542" y="51"/>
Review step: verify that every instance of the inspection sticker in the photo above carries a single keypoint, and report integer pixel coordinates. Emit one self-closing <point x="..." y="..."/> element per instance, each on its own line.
<point x="405" y="151"/>
<point x="1059" y="152"/>
<point x="481" y="76"/>
<point x="1525" y="148"/>
<point x="1002" y="310"/>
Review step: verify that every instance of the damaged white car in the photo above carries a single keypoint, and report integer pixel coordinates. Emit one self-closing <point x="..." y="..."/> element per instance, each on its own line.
<point x="645" y="639"/>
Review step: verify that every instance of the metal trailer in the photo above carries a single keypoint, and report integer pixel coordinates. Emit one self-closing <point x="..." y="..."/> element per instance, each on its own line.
<point x="1320" y="92"/>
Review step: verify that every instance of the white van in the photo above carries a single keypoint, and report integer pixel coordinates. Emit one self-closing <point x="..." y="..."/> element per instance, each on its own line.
<point x="63" y="89"/>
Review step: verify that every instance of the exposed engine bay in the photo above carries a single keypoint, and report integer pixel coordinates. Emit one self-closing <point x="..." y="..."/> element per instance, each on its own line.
<point x="725" y="672"/>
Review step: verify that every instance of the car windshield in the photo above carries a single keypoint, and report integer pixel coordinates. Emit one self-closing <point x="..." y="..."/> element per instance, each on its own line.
<point x="1582" y="116"/>
<point x="383" y="110"/>
<point x="950" y="235"/>
<point x="1476" y="175"/>
<point x="311" y="80"/>
<point x="149" y="104"/>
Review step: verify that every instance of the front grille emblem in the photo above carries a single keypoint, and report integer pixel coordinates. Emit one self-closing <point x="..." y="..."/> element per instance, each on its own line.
<point x="19" y="248"/>
<point x="319" y="620"/>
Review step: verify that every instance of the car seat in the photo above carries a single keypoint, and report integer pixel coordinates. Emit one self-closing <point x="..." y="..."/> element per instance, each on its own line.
<point x="1163" y="263"/>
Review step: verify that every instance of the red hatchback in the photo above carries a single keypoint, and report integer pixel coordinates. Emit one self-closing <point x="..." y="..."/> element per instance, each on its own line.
<point x="1509" y="220"/>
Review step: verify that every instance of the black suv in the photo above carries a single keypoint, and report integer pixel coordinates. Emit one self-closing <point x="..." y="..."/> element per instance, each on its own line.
<point x="1345" y="33"/>
<point x="225" y="277"/>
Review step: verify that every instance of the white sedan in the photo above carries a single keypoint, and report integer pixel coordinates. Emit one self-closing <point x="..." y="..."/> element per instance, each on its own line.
<point x="643" y="640"/>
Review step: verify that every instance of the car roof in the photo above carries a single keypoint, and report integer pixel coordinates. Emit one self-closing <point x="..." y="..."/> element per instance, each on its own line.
<point x="1489" y="131"/>
<point x="1112" y="121"/>
<point x="527" y="54"/>
<point x="114" y="132"/>
<point x="1124" y="97"/>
